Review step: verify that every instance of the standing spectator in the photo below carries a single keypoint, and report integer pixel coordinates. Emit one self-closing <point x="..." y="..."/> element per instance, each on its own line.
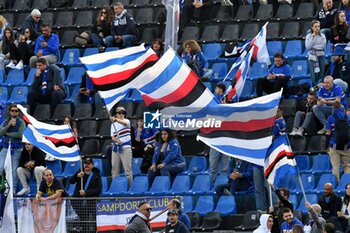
<point x="46" y="46"/>
<point x="339" y="30"/>
<point x="123" y="30"/>
<point x="25" y="48"/>
<point x="326" y="16"/>
<point x="342" y="222"/>
<point x="47" y="87"/>
<point x="51" y="186"/>
<point x="102" y="27"/>
<point x="167" y="158"/>
<point x="279" y="127"/>
<point x="195" y="59"/>
<point x="327" y="95"/>
<point x="121" y="152"/>
<point x="344" y="5"/>
<point x="303" y="118"/>
<point x="11" y="132"/>
<point x="316" y="222"/>
<point x="175" y="226"/>
<point x="266" y="223"/>
<point x="340" y="68"/>
<point x="92" y="187"/>
<point x="8" y="53"/>
<point x="175" y="204"/>
<point x="315" y="43"/>
<point x="87" y="92"/>
<point x="240" y="177"/>
<point x="33" y="21"/>
<point x="217" y="158"/>
<point x="32" y="161"/>
<point x="3" y="24"/>
<point x="289" y="221"/>
<point x="139" y="223"/>
<point x="339" y="154"/>
<point x="279" y="75"/>
<point x="330" y="202"/>
<point x="158" y="47"/>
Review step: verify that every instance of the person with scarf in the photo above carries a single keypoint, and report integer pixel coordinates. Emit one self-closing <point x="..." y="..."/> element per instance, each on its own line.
<point x="316" y="221"/>
<point x="123" y="30"/>
<point x="266" y="222"/>
<point x="139" y="223"/>
<point x="315" y="43"/>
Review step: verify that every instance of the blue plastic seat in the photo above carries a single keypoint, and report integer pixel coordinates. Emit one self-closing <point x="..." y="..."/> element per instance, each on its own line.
<point x="221" y="179"/>
<point x="204" y="205"/>
<point x="2" y="76"/>
<point x="75" y="92"/>
<point x="63" y="74"/>
<point x="311" y="198"/>
<point x="209" y="86"/>
<point x="344" y="180"/>
<point x="118" y="187"/>
<point x="135" y="96"/>
<point x="274" y="47"/>
<point x="258" y="70"/>
<point x="139" y="186"/>
<point x="111" y="49"/>
<point x="3" y="95"/>
<point x="188" y="204"/>
<point x="220" y="69"/>
<point x="71" y="188"/>
<point x="90" y="51"/>
<point x="30" y="78"/>
<point x="303" y="162"/>
<point x="212" y="51"/>
<point x="75" y="76"/>
<point x="320" y="164"/>
<point x="136" y="165"/>
<point x="160" y="186"/>
<point x="309" y="183"/>
<point x="181" y="185"/>
<point x="14" y="78"/>
<point x="325" y="178"/>
<point x="294" y="49"/>
<point x="328" y="50"/>
<point x="104" y="183"/>
<point x="294" y="199"/>
<point x="287" y="182"/>
<point x="201" y="185"/>
<point x="55" y="166"/>
<point x="247" y="91"/>
<point x="300" y="69"/>
<point x="71" y="57"/>
<point x="99" y="164"/>
<point x="70" y="169"/>
<point x="226" y="205"/>
<point x="197" y="165"/>
<point x="18" y="95"/>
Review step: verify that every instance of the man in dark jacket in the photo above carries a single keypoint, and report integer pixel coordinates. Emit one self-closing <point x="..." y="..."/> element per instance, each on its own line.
<point x="175" y="226"/>
<point x="340" y="69"/>
<point x="47" y="87"/>
<point x="182" y="217"/>
<point x="32" y="161"/>
<point x="33" y="21"/>
<point x="330" y="202"/>
<point x="91" y="187"/>
<point x="326" y="16"/>
<point x="123" y="30"/>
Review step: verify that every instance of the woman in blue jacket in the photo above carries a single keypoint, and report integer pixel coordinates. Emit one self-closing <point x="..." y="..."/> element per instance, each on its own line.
<point x="167" y="158"/>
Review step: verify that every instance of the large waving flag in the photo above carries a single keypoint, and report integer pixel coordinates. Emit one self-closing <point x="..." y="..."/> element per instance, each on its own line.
<point x="279" y="161"/>
<point x="56" y="140"/>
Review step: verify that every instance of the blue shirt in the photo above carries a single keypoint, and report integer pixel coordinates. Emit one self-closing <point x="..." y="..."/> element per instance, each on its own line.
<point x="172" y="153"/>
<point x="147" y="136"/>
<point x="288" y="226"/>
<point x="330" y="125"/>
<point x="336" y="91"/>
<point x="52" y="45"/>
<point x="283" y="70"/>
<point x="279" y="128"/>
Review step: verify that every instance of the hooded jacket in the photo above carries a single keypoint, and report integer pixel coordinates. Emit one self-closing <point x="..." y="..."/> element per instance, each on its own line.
<point x="263" y="224"/>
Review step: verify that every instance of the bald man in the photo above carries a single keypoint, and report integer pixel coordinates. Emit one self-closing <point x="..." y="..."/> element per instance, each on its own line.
<point x="316" y="221"/>
<point x="330" y="202"/>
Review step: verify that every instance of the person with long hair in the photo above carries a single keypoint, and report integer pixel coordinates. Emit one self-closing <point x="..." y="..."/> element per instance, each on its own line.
<point x="339" y="30"/>
<point x="158" y="47"/>
<point x="344" y="5"/>
<point x="3" y="25"/>
<point x="25" y="48"/>
<point x="315" y="43"/>
<point x="68" y="120"/>
<point x="342" y="222"/>
<point x="102" y="27"/>
<point x="167" y="159"/>
<point x="8" y="50"/>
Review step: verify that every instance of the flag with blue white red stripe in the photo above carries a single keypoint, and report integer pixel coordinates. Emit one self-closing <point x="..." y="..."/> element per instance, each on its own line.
<point x="56" y="140"/>
<point x="279" y="161"/>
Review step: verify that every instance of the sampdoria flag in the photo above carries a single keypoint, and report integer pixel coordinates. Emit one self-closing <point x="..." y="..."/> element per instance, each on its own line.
<point x="56" y="140"/>
<point x="279" y="161"/>
<point x="7" y="214"/>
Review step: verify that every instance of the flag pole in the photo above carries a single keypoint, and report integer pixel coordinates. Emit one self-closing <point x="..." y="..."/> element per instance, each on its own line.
<point x="270" y="195"/>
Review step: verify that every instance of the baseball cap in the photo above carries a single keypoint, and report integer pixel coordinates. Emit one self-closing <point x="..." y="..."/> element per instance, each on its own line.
<point x="120" y="109"/>
<point x="338" y="51"/>
<point x="172" y="211"/>
<point x="88" y="160"/>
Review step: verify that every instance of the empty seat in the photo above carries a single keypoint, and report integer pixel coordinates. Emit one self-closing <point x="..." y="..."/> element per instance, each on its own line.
<point x="47" y="17"/>
<point x="303" y="162"/>
<point x="75" y="75"/>
<point x="80" y="4"/>
<point x="118" y="187"/>
<point x="344" y="180"/>
<point x="149" y="34"/>
<point x="75" y="92"/>
<point x="14" y="78"/>
<point x="140" y="2"/>
<point x="181" y="185"/>
<point x="225" y="13"/>
<point x="211" y="221"/>
<point x="139" y="186"/>
<point x="3" y="95"/>
<point x="71" y="57"/>
<point x="188" y="204"/>
<point x="320" y="164"/>
<point x="61" y="111"/>
<point x="219" y="70"/>
<point x="10" y="18"/>
<point x="304" y="30"/>
<point x="289" y="107"/>
<point x="210" y="33"/>
<point x="290" y="30"/>
<point x="136" y="166"/>
<point x="82" y="112"/>
<point x="274" y="47"/>
<point x="201" y="185"/>
<point x="265" y="12"/>
<point x="190" y="33"/>
<point x="226" y="205"/>
<point x="231" y="32"/>
<point x="105" y="129"/>
<point x="273" y="30"/>
<point x="305" y="11"/>
<point x="64" y="19"/>
<point x="41" y="4"/>
<point x="300" y="70"/>
<point x="308" y="181"/>
<point x="84" y="19"/>
<point x="144" y="16"/>
<point x="55" y="166"/>
<point x="212" y="51"/>
<point x="42" y="112"/>
<point x="101" y="112"/>
<point x="88" y="129"/>
<point x="197" y="164"/>
<point x="258" y="70"/>
<point x="68" y="38"/>
<point x="298" y="144"/>
<point x="18" y="96"/>
<point x="99" y="3"/>
<point x="90" y="51"/>
<point x="284" y="12"/>
<point x="20" y="20"/>
<point x="311" y="198"/>
<point x="250" y="30"/>
<point x="194" y="219"/>
<point x="21" y="5"/>
<point x="287" y="182"/>
<point x="245" y="12"/>
<point x="204" y="205"/>
<point x="294" y="49"/>
<point x="318" y="143"/>
<point x="70" y="169"/>
<point x="160" y="186"/>
<point x="90" y="147"/>
<point x="250" y="221"/>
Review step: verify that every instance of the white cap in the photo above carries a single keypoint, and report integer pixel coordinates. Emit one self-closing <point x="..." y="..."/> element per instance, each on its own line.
<point x="35" y="12"/>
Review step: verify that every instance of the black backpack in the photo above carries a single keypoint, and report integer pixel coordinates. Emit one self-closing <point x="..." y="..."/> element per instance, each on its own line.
<point x="341" y="132"/>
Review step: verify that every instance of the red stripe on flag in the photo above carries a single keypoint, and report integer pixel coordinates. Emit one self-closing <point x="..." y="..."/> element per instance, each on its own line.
<point x="117" y="77"/>
<point x="25" y="118"/>
<point x="181" y="92"/>
<point x="277" y="159"/>
<point x="65" y="140"/>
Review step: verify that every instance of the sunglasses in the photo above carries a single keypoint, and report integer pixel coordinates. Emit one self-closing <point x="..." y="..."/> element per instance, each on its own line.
<point x="26" y="31"/>
<point x="121" y="113"/>
<point x="148" y="209"/>
<point x="13" y="110"/>
<point x="103" y="12"/>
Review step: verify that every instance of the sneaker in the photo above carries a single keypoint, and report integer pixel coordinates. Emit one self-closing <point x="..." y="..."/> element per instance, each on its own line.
<point x="19" y="66"/>
<point x="294" y="131"/>
<point x="322" y="131"/>
<point x="23" y="191"/>
<point x="11" y="65"/>
<point x="300" y="131"/>
<point x="347" y="48"/>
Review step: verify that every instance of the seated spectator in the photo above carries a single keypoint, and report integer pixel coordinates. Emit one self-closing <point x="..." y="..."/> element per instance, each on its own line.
<point x="121" y="138"/>
<point x="303" y="118"/>
<point x="315" y="43"/>
<point x="25" y="48"/>
<point x="266" y="223"/>
<point x="176" y="205"/>
<point x="330" y="202"/>
<point x="340" y="68"/>
<point x="289" y="220"/>
<point x="327" y="95"/>
<point x="339" y="144"/>
<point x="158" y="47"/>
<point x="51" y="186"/>
<point x="3" y="25"/>
<point x="339" y="30"/>
<point x="279" y="127"/>
<point x="328" y="228"/>
<point x="316" y="222"/>
<point x="167" y="158"/>
<point x="191" y="11"/>
<point x="33" y="21"/>
<point x="196" y="60"/>
<point x="342" y="222"/>
<point x="32" y="161"/>
<point x="277" y="210"/>
<point x="68" y="120"/>
<point x="123" y="30"/>
<point x="46" y="46"/>
<point x="8" y="55"/>
<point x="102" y="27"/>
<point x="326" y="16"/>
<point x="47" y="87"/>
<point x="344" y="5"/>
<point x="87" y="92"/>
<point x="174" y="224"/>
<point x="240" y="178"/>
<point x="279" y="75"/>
<point x="219" y="92"/>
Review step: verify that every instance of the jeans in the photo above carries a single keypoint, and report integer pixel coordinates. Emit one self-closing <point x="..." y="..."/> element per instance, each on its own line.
<point x="215" y="157"/>
<point x="96" y="40"/>
<point x="207" y="73"/>
<point x="128" y="41"/>
<point x="317" y="77"/>
<point x="168" y="170"/>
<point x="342" y="84"/>
<point x="322" y="113"/>
<point x="15" y="156"/>
<point x="302" y="119"/>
